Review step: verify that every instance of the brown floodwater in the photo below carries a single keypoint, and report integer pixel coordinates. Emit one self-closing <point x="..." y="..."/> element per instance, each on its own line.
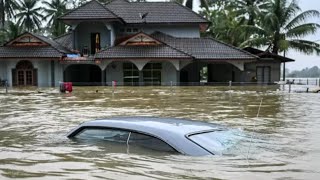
<point x="282" y="143"/>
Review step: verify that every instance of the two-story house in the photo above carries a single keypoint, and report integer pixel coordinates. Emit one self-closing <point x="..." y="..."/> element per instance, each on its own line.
<point x="132" y="43"/>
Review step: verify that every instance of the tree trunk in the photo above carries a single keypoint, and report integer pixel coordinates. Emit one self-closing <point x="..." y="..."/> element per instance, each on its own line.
<point x="2" y="14"/>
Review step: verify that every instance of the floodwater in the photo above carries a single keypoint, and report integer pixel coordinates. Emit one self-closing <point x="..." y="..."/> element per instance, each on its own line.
<point x="282" y="143"/>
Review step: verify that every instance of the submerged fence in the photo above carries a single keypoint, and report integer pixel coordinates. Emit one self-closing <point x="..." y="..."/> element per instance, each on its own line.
<point x="304" y="81"/>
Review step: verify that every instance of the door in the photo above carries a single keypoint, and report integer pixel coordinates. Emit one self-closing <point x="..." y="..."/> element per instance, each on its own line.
<point x="95" y="42"/>
<point x="25" y="77"/>
<point x="263" y="74"/>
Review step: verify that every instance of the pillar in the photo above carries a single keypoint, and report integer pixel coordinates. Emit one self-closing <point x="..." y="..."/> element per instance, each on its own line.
<point x="103" y="77"/>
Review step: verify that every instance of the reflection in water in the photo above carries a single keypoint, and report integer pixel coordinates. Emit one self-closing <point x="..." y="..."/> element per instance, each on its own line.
<point x="34" y="123"/>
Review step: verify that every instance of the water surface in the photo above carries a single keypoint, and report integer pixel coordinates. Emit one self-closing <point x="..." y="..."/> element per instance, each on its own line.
<point x="282" y="143"/>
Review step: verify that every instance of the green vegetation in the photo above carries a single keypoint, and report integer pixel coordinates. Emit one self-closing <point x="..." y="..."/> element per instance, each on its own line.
<point x="276" y="25"/>
<point x="313" y="72"/>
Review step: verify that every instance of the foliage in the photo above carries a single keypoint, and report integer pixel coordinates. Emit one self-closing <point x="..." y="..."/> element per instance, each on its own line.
<point x="55" y="9"/>
<point x="29" y="15"/>
<point x="313" y="72"/>
<point x="274" y="24"/>
<point x="282" y="28"/>
<point x="226" y="26"/>
<point x="7" y="8"/>
<point x="11" y="31"/>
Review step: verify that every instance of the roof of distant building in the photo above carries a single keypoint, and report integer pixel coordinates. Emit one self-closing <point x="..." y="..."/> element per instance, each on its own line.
<point x="266" y="55"/>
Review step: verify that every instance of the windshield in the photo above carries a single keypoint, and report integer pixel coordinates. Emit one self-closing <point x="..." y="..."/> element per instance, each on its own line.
<point x="217" y="142"/>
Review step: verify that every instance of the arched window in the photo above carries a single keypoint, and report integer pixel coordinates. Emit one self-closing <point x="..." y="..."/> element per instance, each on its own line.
<point x="24" y="74"/>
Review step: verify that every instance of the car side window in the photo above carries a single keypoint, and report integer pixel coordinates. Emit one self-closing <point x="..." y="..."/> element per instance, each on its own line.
<point x="150" y="142"/>
<point x="113" y="135"/>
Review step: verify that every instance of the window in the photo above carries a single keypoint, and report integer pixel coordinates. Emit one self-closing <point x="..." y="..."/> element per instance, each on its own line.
<point x="149" y="142"/>
<point x="125" y="137"/>
<point x="103" y="134"/>
<point x="130" y="74"/>
<point x="152" y="74"/>
<point x="217" y="141"/>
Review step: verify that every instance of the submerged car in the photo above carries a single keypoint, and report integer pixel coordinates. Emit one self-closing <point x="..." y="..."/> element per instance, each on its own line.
<point x="187" y="137"/>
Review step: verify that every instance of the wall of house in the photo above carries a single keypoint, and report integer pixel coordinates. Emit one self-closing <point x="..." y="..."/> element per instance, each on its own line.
<point x="169" y="74"/>
<point x="83" y="34"/>
<point x="43" y="69"/>
<point x="114" y="72"/>
<point x="251" y="69"/>
<point x="191" y="31"/>
<point x="224" y="73"/>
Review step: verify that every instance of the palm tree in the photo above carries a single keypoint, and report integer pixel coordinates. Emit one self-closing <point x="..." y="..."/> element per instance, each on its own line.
<point x="10" y="31"/>
<point x="249" y="8"/>
<point x="281" y="29"/>
<point x="7" y="8"/>
<point x="29" y="15"/>
<point x="54" y="9"/>
<point x="226" y="27"/>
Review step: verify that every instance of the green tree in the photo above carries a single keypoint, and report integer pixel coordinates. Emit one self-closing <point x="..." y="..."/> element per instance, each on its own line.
<point x="226" y="26"/>
<point x="29" y="15"/>
<point x="53" y="10"/>
<point x="251" y="9"/>
<point x="7" y="8"/>
<point x="11" y="31"/>
<point x="282" y="28"/>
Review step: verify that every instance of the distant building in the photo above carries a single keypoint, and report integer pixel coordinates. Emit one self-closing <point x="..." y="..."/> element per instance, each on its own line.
<point x="147" y="43"/>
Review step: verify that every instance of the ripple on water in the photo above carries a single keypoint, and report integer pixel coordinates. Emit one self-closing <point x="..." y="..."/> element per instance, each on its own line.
<point x="282" y="143"/>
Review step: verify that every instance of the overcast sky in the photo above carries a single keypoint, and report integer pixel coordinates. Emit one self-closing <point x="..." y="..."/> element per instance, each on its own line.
<point x="303" y="61"/>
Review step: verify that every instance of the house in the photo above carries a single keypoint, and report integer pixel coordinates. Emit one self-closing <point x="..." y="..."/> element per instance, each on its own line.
<point x="133" y="43"/>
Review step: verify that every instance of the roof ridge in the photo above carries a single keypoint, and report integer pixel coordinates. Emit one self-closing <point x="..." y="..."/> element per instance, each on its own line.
<point x="63" y="35"/>
<point x="85" y="4"/>
<point x="50" y="43"/>
<point x="175" y="48"/>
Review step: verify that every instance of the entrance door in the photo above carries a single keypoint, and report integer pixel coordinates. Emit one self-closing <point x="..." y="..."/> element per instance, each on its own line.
<point x="24" y="74"/>
<point x="25" y="77"/>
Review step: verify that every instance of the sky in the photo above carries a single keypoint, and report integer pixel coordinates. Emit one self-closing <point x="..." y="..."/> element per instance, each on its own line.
<point x="302" y="61"/>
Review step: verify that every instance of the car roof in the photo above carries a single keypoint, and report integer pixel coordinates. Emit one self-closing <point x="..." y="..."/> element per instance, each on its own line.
<point x="156" y="126"/>
<point x="171" y="130"/>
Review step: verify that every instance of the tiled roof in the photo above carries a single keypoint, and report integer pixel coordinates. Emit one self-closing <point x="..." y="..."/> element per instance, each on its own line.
<point x="155" y="51"/>
<point x="267" y="55"/>
<point x="29" y="52"/>
<point x="54" y="44"/>
<point x="205" y="48"/>
<point x="52" y="50"/>
<point x="65" y="40"/>
<point x="90" y="10"/>
<point x="131" y="12"/>
<point x="157" y="12"/>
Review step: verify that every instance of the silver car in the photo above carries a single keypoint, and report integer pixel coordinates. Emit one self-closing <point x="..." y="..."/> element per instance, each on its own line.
<point x="187" y="137"/>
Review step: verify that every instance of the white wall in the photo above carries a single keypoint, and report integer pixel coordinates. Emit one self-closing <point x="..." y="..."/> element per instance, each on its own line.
<point x="168" y="74"/>
<point x="114" y="72"/>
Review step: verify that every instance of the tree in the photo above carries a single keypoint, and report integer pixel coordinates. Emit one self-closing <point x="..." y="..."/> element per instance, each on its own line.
<point x="54" y="9"/>
<point x="250" y="9"/>
<point x="7" y="8"/>
<point x="10" y="31"/>
<point x="226" y="26"/>
<point x="29" y="15"/>
<point x="281" y="29"/>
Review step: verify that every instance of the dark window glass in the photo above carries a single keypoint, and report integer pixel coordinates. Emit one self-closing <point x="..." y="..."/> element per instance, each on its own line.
<point x="149" y="142"/>
<point x="104" y="134"/>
